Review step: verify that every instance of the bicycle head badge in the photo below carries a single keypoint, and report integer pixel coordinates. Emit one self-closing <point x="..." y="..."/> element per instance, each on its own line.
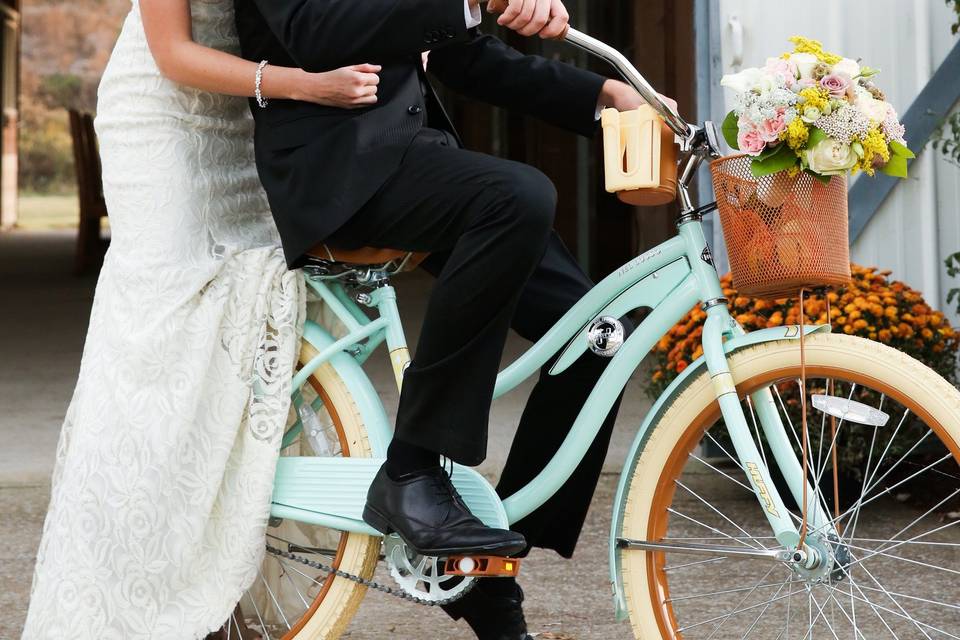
<point x="605" y="336"/>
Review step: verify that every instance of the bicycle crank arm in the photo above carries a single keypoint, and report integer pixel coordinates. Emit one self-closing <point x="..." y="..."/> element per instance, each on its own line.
<point x="780" y="555"/>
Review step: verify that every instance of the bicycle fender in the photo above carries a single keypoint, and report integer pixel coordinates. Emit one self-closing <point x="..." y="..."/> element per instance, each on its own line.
<point x="773" y="334"/>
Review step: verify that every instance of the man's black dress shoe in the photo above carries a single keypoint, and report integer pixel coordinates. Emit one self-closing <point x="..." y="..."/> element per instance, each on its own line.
<point x="493" y="609"/>
<point x="431" y="517"/>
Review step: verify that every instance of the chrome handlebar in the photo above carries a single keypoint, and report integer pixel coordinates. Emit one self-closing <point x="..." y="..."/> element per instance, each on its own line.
<point x="619" y="62"/>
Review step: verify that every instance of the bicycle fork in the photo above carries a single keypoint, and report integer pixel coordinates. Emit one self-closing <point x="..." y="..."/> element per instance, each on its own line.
<point x="754" y="464"/>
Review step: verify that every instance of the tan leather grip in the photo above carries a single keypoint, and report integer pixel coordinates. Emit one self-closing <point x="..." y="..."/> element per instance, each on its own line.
<point x="499" y="6"/>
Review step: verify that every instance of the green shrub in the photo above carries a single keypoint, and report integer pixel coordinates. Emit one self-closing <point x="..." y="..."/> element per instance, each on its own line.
<point x="46" y="152"/>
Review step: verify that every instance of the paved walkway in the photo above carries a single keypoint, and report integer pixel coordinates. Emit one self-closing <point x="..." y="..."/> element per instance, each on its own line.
<point x="42" y="329"/>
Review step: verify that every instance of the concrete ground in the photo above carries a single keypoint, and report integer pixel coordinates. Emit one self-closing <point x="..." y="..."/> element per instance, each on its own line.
<point x="42" y="326"/>
<point x="42" y="330"/>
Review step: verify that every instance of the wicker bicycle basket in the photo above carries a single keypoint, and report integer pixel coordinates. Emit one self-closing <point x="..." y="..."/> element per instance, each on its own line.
<point x="783" y="232"/>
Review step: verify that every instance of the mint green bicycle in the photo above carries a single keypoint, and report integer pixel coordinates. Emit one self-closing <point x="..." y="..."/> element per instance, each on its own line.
<point x="717" y="531"/>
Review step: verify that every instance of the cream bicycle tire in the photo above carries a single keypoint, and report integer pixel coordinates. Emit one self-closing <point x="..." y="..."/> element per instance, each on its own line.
<point x="931" y="397"/>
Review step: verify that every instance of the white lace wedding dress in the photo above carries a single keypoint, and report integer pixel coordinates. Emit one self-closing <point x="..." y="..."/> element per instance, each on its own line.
<point x="165" y="464"/>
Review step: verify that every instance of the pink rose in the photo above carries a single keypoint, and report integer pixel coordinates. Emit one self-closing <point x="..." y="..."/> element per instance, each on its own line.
<point x="784" y="69"/>
<point x="771" y="129"/>
<point x="751" y="141"/>
<point x="837" y="84"/>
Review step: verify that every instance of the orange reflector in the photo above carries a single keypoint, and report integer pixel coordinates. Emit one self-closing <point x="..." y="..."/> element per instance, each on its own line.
<point x="481" y="566"/>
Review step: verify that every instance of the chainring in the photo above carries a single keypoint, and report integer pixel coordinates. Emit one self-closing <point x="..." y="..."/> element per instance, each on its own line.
<point x="420" y="576"/>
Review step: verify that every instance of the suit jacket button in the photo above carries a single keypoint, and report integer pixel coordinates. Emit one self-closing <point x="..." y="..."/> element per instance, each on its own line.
<point x="414" y="109"/>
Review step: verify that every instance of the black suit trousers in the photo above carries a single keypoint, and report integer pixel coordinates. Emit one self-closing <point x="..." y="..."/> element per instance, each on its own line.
<point x="488" y="224"/>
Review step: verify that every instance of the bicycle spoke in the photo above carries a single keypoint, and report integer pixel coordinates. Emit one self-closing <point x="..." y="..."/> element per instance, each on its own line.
<point x="902" y="542"/>
<point x="873" y="553"/>
<point x="892" y="599"/>
<point x="891" y="488"/>
<point x="274" y="599"/>
<point x="900" y="615"/>
<point x="725" y="475"/>
<point x="286" y="574"/>
<point x="854" y="585"/>
<point x="676" y="567"/>
<point x="917" y="598"/>
<point x="256" y="609"/>
<point x="813" y="622"/>
<point x="714" y="529"/>
<point x="715" y="510"/>
<point x="724" y="618"/>
<point x="764" y="610"/>
<point x="898" y="593"/>
<point x="711" y="594"/>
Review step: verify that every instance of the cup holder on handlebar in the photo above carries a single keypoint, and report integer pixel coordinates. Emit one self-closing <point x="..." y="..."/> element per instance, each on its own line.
<point x="640" y="157"/>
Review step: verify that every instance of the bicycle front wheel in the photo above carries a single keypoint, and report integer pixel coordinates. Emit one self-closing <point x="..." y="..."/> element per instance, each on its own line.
<point x="891" y="489"/>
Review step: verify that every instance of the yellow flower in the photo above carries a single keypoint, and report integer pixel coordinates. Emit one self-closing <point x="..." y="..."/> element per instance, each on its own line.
<point x="808" y="45"/>
<point x="796" y="134"/>
<point x="815" y="97"/>
<point x="874" y="147"/>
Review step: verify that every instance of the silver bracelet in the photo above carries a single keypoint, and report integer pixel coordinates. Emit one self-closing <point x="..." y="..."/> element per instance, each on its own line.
<point x="261" y="101"/>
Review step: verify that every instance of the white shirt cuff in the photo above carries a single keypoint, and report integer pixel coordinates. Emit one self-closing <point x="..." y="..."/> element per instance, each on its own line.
<point x="472" y="14"/>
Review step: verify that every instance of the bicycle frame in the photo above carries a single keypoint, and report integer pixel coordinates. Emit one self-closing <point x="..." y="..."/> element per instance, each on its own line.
<point x="669" y="279"/>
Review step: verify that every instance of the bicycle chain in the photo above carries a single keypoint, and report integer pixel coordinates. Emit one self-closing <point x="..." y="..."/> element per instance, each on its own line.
<point x="370" y="584"/>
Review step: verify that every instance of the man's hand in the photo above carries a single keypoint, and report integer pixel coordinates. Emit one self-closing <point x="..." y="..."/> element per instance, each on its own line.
<point x="546" y="18"/>
<point x="623" y="97"/>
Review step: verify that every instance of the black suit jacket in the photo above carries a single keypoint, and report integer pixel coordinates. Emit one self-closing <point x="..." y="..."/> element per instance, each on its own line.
<point x="320" y="165"/>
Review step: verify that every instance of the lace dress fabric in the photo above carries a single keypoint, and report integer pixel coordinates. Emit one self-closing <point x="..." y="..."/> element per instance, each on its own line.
<point x="165" y="464"/>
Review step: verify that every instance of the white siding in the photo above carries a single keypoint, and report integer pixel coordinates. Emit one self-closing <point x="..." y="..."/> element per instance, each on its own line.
<point x="907" y="39"/>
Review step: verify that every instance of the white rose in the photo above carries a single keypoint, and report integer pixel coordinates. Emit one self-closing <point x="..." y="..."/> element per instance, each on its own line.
<point x="874" y="109"/>
<point x="810" y="115"/>
<point x="744" y="81"/>
<point x="848" y="66"/>
<point x="830" y="157"/>
<point x="805" y="63"/>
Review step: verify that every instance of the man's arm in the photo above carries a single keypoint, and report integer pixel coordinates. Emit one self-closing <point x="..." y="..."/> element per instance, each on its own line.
<point x="326" y="34"/>
<point x="488" y="70"/>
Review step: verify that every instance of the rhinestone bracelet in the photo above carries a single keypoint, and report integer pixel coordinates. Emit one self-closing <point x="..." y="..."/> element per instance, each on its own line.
<point x="261" y="101"/>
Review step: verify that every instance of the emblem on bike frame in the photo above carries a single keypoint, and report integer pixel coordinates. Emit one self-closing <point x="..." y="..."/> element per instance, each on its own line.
<point x="605" y="336"/>
<point x="707" y="255"/>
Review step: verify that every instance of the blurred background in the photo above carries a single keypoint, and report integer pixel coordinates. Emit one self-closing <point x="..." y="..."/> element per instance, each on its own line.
<point x="54" y="227"/>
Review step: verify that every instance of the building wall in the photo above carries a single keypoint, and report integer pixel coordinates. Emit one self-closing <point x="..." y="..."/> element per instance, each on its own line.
<point x="918" y="224"/>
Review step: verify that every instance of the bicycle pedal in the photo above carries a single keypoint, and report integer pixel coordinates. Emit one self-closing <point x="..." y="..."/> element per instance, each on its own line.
<point x="481" y="566"/>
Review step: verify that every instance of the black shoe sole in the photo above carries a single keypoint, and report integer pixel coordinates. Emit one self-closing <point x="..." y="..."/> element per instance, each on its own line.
<point x="382" y="524"/>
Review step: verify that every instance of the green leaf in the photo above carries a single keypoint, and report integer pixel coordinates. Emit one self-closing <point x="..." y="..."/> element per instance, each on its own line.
<point x="731" y="130"/>
<point x="900" y="150"/>
<point x="823" y="179"/>
<point x="817" y="136"/>
<point x="769" y="152"/>
<point x="784" y="158"/>
<point x="897" y="167"/>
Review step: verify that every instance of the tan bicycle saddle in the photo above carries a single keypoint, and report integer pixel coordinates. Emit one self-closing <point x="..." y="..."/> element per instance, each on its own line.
<point x="368" y="255"/>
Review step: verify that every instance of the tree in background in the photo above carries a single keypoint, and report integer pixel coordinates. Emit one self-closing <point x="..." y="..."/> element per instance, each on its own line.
<point x="66" y="46"/>
<point x="948" y="142"/>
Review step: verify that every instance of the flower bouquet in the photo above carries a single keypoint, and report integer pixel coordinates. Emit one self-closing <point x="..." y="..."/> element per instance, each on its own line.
<point x="814" y="111"/>
<point x="802" y="122"/>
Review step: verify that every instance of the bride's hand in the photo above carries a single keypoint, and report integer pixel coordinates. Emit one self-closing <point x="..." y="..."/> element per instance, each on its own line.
<point x="346" y="88"/>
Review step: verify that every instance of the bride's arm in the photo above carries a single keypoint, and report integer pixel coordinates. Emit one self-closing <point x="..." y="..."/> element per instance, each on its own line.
<point x="168" y="28"/>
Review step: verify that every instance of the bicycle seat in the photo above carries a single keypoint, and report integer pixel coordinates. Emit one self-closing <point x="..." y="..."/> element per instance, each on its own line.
<point x="368" y="256"/>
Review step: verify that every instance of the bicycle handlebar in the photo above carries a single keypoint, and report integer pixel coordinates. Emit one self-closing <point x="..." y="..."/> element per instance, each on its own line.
<point x="629" y="72"/>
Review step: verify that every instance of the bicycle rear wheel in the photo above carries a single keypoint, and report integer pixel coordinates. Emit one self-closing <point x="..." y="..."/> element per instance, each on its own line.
<point x="290" y="600"/>
<point x="898" y="484"/>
